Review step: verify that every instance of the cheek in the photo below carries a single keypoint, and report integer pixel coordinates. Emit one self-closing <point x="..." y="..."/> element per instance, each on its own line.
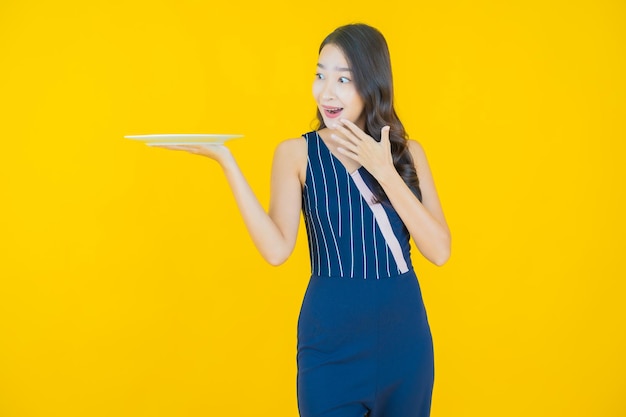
<point x="354" y="99"/>
<point x="316" y="90"/>
<point x="349" y="94"/>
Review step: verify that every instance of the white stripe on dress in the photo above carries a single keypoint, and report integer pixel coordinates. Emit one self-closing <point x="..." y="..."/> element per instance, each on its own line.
<point x="332" y="160"/>
<point x="351" y="232"/>
<point x="319" y="221"/>
<point x="363" y="240"/>
<point x="387" y="257"/>
<point x="375" y="246"/>
<point x="330" y="223"/>
<point x="383" y="222"/>
<point x="316" y="246"/>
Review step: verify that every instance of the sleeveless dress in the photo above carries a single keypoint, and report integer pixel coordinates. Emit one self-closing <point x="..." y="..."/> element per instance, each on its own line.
<point x="364" y="343"/>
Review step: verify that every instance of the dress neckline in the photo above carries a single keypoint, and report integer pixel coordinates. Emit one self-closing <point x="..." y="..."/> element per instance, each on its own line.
<point x="319" y="138"/>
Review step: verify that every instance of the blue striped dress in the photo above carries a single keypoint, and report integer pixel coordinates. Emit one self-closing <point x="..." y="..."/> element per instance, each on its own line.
<point x="364" y="343"/>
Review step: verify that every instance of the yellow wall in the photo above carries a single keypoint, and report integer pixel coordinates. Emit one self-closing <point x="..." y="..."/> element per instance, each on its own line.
<point x="128" y="286"/>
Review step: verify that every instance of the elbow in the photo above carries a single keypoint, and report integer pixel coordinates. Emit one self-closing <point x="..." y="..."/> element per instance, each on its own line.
<point x="276" y="257"/>
<point x="441" y="259"/>
<point x="275" y="261"/>
<point x="443" y="254"/>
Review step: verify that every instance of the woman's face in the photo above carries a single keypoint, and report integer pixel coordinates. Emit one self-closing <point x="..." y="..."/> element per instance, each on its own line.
<point x="334" y="90"/>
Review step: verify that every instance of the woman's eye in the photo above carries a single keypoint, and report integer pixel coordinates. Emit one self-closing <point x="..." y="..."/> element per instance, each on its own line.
<point x="344" y="80"/>
<point x="319" y="76"/>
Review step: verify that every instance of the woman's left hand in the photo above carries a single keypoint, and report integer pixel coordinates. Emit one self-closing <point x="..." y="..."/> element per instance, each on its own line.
<point x="374" y="156"/>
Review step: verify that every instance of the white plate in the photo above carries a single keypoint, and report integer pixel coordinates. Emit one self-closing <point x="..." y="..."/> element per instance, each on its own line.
<point x="182" y="139"/>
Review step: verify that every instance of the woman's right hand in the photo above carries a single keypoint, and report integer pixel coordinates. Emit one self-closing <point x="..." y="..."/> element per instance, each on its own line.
<point x="217" y="152"/>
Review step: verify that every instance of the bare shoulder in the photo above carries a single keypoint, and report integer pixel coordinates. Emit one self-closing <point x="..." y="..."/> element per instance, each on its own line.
<point x="293" y="153"/>
<point x="295" y="146"/>
<point x="415" y="147"/>
<point x="294" y="150"/>
<point x="417" y="152"/>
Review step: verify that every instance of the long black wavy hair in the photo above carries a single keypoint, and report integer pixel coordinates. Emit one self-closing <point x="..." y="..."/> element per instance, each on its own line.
<point x="367" y="53"/>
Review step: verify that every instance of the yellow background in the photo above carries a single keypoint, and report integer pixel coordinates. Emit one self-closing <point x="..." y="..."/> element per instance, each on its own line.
<point x="129" y="287"/>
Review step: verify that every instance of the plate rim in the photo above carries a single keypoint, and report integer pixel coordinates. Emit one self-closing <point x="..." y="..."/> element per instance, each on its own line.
<point x="183" y="138"/>
<point x="185" y="135"/>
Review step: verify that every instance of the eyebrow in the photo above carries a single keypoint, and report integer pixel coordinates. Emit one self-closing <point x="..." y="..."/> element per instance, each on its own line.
<point x="341" y="69"/>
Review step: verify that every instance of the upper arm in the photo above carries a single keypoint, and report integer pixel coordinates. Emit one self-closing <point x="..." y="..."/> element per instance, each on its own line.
<point x="286" y="187"/>
<point x="430" y="198"/>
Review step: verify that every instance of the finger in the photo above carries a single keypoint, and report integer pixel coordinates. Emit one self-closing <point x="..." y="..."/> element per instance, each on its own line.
<point x="351" y="131"/>
<point x="354" y="129"/>
<point x="350" y="154"/>
<point x="346" y="133"/>
<point x="172" y="147"/>
<point x="348" y="144"/>
<point x="184" y="148"/>
<point x="349" y="134"/>
<point x="384" y="134"/>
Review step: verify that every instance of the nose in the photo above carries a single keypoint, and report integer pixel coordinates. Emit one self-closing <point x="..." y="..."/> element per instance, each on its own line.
<point x="328" y="91"/>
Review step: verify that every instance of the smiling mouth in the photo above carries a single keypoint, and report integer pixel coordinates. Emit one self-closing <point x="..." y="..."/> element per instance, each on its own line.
<point x="333" y="111"/>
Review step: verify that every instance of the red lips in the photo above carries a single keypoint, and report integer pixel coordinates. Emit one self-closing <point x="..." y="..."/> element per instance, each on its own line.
<point x="332" y="112"/>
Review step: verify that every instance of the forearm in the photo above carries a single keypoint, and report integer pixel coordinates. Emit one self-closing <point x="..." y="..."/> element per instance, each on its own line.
<point x="430" y="235"/>
<point x="266" y="235"/>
